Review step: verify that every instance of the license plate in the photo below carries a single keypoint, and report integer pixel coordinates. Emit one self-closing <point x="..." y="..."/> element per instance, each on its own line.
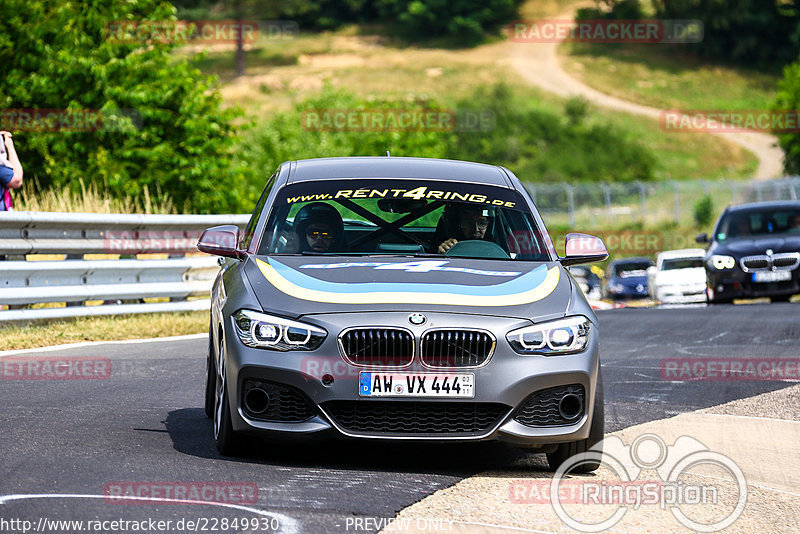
<point x="772" y="276"/>
<point x="450" y="385"/>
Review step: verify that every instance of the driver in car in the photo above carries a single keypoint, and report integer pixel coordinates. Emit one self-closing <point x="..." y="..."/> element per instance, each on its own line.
<point x="461" y="222"/>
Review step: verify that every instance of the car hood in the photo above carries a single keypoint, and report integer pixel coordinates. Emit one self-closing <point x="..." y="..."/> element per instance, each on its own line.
<point x="298" y="285"/>
<point x="759" y="245"/>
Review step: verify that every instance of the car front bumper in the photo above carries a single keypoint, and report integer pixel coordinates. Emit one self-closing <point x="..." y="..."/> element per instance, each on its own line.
<point x="679" y="294"/>
<point x="329" y="387"/>
<point x="735" y="283"/>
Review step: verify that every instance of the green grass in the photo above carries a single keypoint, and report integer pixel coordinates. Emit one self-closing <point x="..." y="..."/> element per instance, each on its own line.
<point x="110" y="328"/>
<point x="682" y="157"/>
<point x="666" y="77"/>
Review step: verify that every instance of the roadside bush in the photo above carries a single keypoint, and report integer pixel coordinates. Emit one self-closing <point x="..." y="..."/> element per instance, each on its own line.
<point x="788" y="98"/>
<point x="162" y="129"/>
<point x="546" y="145"/>
<point x="464" y="21"/>
<point x="537" y="144"/>
<point x="294" y="135"/>
<point x="703" y="211"/>
<point x="613" y="9"/>
<point x="764" y="34"/>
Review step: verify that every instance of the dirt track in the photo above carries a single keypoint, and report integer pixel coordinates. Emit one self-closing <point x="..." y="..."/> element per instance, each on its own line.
<point x="538" y="64"/>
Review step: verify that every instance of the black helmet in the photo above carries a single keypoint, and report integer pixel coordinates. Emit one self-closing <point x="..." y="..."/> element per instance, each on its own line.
<point x="319" y="212"/>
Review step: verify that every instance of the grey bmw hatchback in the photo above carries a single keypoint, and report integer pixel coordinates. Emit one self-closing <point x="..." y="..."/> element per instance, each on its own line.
<point x="406" y="299"/>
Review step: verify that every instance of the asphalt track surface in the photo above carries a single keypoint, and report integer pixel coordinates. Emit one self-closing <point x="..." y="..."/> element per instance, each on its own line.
<point x="64" y="442"/>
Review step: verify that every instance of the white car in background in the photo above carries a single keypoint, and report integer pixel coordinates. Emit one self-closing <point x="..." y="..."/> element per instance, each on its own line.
<point x="678" y="276"/>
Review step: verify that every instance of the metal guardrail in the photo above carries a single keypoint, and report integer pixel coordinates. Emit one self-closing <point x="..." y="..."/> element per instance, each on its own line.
<point x="76" y="280"/>
<point x="31" y="232"/>
<point x="600" y="205"/>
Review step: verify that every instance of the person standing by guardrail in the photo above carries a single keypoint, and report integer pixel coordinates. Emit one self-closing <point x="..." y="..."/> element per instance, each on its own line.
<point x="10" y="171"/>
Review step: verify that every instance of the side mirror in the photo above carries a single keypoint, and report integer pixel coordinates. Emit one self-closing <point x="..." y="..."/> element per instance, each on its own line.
<point x="701" y="238"/>
<point x="582" y="248"/>
<point x="221" y="241"/>
<point x="651" y="270"/>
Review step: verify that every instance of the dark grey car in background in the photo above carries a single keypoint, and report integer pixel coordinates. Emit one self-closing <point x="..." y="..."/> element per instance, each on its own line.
<point x="377" y="334"/>
<point x="754" y="252"/>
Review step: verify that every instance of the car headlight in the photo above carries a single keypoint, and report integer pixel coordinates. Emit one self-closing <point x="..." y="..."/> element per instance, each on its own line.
<point x="720" y="262"/>
<point x="264" y="331"/>
<point x="615" y="288"/>
<point x="564" y="336"/>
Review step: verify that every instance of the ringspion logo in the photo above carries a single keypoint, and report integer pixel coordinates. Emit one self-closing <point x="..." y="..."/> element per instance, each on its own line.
<point x="648" y="472"/>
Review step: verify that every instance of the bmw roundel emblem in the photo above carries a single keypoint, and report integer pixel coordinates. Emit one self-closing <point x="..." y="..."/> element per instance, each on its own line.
<point x="416" y="318"/>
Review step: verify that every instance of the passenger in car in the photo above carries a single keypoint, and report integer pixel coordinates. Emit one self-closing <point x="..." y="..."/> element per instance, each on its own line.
<point x="319" y="228"/>
<point x="461" y="222"/>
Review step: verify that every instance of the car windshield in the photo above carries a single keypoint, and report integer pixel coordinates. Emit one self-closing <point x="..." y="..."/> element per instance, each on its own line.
<point x="628" y="270"/>
<point x="762" y="222"/>
<point x="403" y="217"/>
<point x="681" y="263"/>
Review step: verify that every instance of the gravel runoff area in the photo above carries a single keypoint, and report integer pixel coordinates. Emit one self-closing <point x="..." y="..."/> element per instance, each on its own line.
<point x="781" y="404"/>
<point x="766" y="427"/>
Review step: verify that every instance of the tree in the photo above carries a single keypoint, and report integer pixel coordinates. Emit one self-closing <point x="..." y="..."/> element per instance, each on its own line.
<point x="161" y="124"/>
<point x="758" y="33"/>
<point x="242" y="11"/>
<point x="788" y="101"/>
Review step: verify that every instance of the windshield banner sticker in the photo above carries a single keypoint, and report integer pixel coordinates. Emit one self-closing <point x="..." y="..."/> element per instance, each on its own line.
<point x="418" y="193"/>
<point x="530" y="287"/>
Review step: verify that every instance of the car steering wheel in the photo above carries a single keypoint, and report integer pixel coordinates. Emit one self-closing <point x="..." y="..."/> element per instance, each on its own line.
<point x="477" y="248"/>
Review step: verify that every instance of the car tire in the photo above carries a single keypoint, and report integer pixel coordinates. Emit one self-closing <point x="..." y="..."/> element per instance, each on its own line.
<point x="211" y="377"/>
<point x="596" y="433"/>
<point x="227" y="441"/>
<point x="780" y="298"/>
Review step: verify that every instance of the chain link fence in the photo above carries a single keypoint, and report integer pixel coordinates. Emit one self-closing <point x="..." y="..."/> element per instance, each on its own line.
<point x="609" y="205"/>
